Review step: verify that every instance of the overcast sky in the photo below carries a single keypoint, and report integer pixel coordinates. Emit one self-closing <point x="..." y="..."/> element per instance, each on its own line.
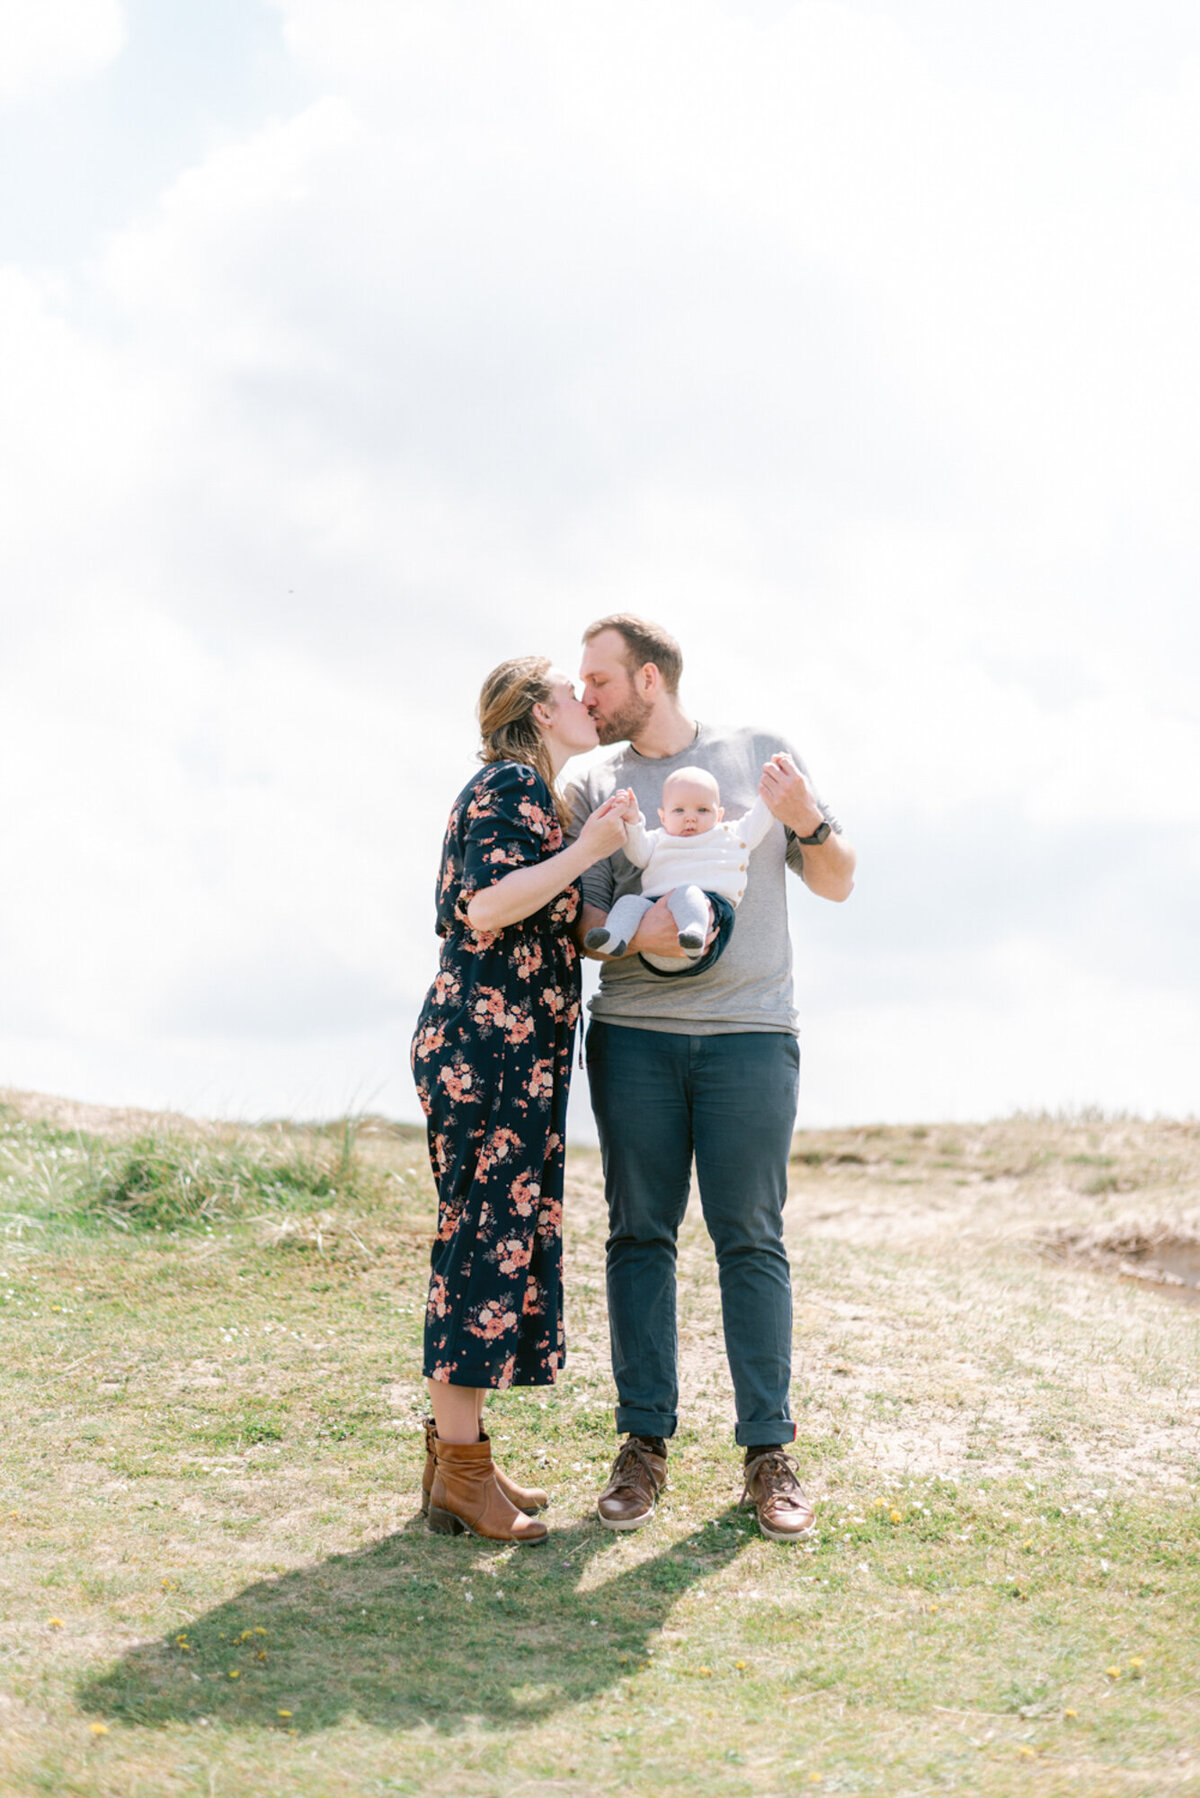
<point x="350" y="346"/>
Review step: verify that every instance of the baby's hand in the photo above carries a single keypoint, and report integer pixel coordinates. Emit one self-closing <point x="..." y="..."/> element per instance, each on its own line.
<point x="627" y="810"/>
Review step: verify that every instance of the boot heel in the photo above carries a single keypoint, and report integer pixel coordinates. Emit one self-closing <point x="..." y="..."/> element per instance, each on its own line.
<point x="445" y="1523"/>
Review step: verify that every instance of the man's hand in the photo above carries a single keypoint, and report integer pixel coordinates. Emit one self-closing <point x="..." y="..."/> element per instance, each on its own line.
<point x="829" y="866"/>
<point x="787" y="795"/>
<point x="658" y="934"/>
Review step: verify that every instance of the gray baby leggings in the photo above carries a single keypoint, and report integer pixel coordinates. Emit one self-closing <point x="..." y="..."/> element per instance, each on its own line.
<point x="688" y="906"/>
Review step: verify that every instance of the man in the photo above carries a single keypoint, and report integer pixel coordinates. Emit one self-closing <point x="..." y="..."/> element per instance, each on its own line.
<point x="703" y="1063"/>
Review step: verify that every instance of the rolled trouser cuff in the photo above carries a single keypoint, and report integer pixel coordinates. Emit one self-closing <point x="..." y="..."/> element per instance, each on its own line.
<point x="631" y="1422"/>
<point x="765" y="1435"/>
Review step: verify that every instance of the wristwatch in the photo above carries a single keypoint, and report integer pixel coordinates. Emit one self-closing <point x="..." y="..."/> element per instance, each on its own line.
<point x="818" y="835"/>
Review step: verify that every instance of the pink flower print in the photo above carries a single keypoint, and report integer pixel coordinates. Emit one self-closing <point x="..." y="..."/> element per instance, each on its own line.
<point x="490" y="1321"/>
<point x="505" y="1377"/>
<point x="444" y="1371"/>
<point x="541" y="1080"/>
<point x="555" y="1000"/>
<point x="485" y="1005"/>
<point x="550" y="1218"/>
<point x="524" y="1194"/>
<point x="512" y="1255"/>
<point x="498" y="1147"/>
<point x="527" y="959"/>
<point x="430" y="1039"/>
<point x="423" y="1095"/>
<point x="439" y="1298"/>
<point x="447" y="986"/>
<point x="458" y="1080"/>
<point x="534" y="1298"/>
<point x="448" y="1222"/>
<point x="520" y="1026"/>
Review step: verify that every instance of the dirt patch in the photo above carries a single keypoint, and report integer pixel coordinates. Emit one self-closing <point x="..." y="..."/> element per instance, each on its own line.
<point x="1161" y="1255"/>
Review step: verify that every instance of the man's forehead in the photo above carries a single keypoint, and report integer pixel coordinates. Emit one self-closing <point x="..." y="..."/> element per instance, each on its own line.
<point x="605" y="654"/>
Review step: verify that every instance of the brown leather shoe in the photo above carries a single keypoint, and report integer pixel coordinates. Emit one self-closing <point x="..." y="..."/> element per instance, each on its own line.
<point x="784" y="1514"/>
<point x="530" y="1499"/>
<point x="465" y="1496"/>
<point x="638" y="1476"/>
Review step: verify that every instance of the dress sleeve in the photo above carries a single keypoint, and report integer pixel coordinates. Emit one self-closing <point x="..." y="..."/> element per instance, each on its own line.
<point x="509" y="822"/>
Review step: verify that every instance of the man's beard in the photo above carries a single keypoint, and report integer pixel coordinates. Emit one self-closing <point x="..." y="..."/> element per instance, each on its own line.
<point x="624" y="725"/>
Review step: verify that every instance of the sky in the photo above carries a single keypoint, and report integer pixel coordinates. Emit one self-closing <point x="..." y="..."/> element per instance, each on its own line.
<point x="349" y="348"/>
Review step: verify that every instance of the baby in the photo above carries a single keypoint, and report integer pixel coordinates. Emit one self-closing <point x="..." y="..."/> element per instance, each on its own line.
<point x="692" y="855"/>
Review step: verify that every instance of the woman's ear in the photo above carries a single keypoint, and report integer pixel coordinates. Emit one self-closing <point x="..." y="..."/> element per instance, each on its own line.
<point x="541" y="714"/>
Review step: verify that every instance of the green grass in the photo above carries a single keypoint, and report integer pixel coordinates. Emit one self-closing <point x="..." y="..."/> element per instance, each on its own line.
<point x="216" y="1581"/>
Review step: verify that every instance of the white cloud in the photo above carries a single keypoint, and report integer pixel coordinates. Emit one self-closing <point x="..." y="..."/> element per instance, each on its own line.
<point x="51" y="44"/>
<point x="866" y="363"/>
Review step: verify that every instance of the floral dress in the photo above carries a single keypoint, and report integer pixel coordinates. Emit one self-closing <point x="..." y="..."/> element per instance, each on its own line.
<point x="492" y="1061"/>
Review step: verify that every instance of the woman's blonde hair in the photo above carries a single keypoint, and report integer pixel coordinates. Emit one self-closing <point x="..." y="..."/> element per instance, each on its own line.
<point x="507" y="726"/>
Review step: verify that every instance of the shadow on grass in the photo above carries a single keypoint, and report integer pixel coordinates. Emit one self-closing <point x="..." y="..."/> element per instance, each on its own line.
<point x="417" y="1628"/>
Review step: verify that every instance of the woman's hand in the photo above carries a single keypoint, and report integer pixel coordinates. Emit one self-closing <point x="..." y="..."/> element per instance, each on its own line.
<point x="604" y="830"/>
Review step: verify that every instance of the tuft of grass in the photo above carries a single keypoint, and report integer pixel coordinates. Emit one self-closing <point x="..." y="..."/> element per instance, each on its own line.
<point x="163" y="1181"/>
<point x="217" y="1578"/>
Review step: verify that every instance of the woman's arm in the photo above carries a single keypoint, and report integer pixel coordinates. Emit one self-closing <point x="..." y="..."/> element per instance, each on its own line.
<point x="517" y="895"/>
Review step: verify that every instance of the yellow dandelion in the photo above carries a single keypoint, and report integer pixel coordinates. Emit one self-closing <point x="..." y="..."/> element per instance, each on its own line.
<point x="56" y="1623"/>
<point x="1136" y="1664"/>
<point x="894" y="1516"/>
<point x="261" y="1655"/>
<point x="283" y="1713"/>
<point x="705" y="1672"/>
<point x="1113" y="1672"/>
<point x="259" y="1630"/>
<point x="235" y="1673"/>
<point x="1027" y="1545"/>
<point x="740" y="1665"/>
<point x="877" y="1504"/>
<point x="1027" y="1753"/>
<point x="245" y="1635"/>
<point x="1070" y="1713"/>
<point x="98" y="1729"/>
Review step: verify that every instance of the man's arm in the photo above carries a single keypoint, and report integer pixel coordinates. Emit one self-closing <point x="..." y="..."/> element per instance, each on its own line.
<point x="827" y="869"/>
<point x="657" y="934"/>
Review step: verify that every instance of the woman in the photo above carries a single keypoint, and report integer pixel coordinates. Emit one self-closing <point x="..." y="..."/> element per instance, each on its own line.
<point x="492" y="1061"/>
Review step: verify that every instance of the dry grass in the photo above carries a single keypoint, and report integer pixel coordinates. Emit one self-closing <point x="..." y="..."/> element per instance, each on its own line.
<point x="213" y="1447"/>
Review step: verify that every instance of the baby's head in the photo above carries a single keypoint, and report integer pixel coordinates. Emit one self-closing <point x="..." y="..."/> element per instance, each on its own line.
<point x="691" y="803"/>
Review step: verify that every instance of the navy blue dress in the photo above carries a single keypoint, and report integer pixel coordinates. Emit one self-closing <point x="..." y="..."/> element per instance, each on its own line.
<point x="492" y="1061"/>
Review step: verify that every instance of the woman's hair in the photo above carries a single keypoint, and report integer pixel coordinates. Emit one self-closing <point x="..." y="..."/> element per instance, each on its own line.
<point x="507" y="726"/>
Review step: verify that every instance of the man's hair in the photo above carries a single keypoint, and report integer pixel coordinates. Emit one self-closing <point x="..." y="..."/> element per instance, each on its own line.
<point x="644" y="642"/>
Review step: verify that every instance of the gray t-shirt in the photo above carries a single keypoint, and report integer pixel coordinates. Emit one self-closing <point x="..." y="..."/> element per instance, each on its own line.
<point x="750" y="986"/>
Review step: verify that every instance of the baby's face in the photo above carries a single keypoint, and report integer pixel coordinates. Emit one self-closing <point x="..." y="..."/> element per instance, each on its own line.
<point x="690" y="807"/>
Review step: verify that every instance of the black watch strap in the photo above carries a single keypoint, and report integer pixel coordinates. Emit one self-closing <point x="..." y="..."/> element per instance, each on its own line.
<point x="818" y="835"/>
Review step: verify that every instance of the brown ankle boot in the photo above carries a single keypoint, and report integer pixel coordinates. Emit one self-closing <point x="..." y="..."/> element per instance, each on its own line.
<point x="530" y="1499"/>
<point x="465" y="1496"/>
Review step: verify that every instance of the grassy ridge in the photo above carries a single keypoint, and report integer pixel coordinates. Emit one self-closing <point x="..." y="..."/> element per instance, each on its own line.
<point x="215" y="1579"/>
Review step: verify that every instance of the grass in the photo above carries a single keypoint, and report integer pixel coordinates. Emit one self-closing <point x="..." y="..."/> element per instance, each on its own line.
<point x="216" y="1580"/>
